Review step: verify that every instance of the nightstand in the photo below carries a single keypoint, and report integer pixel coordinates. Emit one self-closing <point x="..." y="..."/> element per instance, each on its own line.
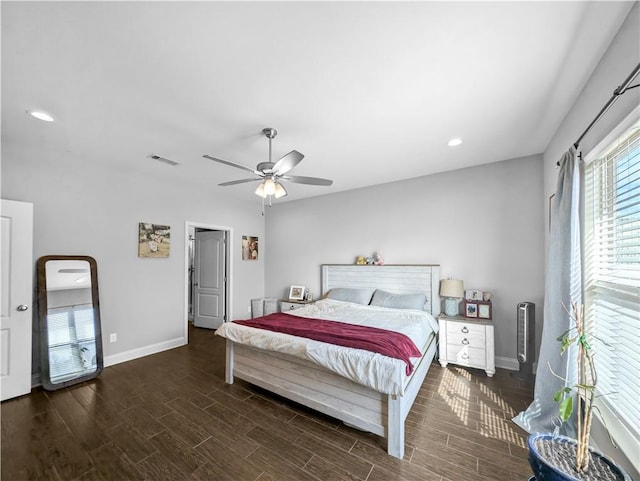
<point x="289" y="305"/>
<point x="467" y="342"/>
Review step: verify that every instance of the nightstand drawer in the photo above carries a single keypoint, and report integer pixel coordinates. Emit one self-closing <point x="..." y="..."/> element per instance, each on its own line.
<point x="467" y="356"/>
<point x="466" y="335"/>
<point x="291" y="306"/>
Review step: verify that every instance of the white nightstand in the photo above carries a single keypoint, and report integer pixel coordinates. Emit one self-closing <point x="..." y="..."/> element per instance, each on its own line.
<point x="289" y="305"/>
<point x="467" y="342"/>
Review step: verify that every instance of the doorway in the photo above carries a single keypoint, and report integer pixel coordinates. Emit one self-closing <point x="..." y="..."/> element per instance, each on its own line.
<point x="207" y="275"/>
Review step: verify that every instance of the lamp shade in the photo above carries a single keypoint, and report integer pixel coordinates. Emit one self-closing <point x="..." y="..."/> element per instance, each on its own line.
<point x="451" y="288"/>
<point x="269" y="186"/>
<point x="280" y="191"/>
<point x="260" y="191"/>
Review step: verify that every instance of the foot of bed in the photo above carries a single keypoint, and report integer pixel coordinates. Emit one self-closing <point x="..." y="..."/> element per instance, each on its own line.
<point x="395" y="428"/>
<point x="228" y="376"/>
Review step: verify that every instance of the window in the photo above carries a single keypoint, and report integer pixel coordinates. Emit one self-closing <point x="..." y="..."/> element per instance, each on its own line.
<point x="612" y="282"/>
<point x="71" y="337"/>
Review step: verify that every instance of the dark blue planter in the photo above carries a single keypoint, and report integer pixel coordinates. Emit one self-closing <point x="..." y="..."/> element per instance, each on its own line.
<point x="544" y="471"/>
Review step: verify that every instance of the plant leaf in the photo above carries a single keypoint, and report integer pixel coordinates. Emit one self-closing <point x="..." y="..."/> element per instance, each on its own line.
<point x="566" y="408"/>
<point x="583" y="340"/>
<point x="557" y="397"/>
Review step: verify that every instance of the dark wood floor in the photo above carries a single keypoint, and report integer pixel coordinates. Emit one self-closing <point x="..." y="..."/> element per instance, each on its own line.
<point x="170" y="416"/>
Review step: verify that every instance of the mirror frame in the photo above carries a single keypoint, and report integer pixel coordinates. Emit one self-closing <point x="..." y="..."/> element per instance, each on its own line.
<point x="45" y="375"/>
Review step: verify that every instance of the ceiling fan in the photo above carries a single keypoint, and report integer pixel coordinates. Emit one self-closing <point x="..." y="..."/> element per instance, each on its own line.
<point x="272" y="174"/>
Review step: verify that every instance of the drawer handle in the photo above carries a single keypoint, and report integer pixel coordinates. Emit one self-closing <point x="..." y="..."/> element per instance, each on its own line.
<point x="464" y="330"/>
<point x="465" y="341"/>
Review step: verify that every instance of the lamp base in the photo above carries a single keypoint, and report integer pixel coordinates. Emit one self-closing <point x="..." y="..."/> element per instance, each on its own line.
<point x="451" y="306"/>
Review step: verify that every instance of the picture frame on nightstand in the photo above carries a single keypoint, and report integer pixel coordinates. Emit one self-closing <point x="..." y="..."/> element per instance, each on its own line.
<point x="296" y="293"/>
<point x="484" y="310"/>
<point x="470" y="309"/>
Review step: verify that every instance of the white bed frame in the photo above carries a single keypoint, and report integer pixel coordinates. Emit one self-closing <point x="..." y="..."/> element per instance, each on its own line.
<point x="318" y="388"/>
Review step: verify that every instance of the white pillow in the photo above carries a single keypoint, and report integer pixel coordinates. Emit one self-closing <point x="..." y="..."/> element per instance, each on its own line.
<point x="348" y="294"/>
<point x="398" y="301"/>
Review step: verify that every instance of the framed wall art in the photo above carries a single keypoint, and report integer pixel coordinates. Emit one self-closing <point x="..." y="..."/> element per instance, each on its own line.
<point x="154" y="240"/>
<point x="249" y="248"/>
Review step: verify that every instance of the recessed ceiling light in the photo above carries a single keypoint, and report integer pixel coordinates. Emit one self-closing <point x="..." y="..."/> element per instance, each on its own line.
<point x="454" y="142"/>
<point x="40" y="115"/>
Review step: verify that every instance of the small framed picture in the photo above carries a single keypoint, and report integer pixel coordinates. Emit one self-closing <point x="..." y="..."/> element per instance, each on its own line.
<point x="296" y="293"/>
<point x="473" y="295"/>
<point x="484" y="310"/>
<point x="471" y="309"/>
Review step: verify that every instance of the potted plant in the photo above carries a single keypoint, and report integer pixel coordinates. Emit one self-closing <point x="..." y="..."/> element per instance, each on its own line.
<point x="560" y="458"/>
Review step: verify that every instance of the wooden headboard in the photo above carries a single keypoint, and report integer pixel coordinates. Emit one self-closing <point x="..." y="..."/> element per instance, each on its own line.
<point x="399" y="279"/>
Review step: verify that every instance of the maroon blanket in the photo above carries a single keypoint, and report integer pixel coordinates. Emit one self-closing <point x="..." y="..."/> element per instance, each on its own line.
<point x="382" y="341"/>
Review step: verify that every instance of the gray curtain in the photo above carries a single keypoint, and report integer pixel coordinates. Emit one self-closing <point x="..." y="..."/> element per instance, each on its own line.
<point x="562" y="287"/>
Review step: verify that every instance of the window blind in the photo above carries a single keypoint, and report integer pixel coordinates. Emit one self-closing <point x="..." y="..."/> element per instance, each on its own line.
<point x="612" y="278"/>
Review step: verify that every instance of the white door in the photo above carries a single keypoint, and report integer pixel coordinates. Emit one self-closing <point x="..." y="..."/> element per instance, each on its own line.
<point x="16" y="253"/>
<point x="209" y="279"/>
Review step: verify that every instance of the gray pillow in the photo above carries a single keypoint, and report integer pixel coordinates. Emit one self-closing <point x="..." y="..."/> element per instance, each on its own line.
<point x="347" y="294"/>
<point x="398" y="301"/>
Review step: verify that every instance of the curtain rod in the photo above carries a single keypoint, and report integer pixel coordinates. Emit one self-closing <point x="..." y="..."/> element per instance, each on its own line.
<point x="616" y="93"/>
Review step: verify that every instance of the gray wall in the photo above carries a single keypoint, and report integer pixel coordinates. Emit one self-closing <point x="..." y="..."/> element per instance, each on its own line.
<point x="83" y="208"/>
<point x="483" y="225"/>
<point x="617" y="63"/>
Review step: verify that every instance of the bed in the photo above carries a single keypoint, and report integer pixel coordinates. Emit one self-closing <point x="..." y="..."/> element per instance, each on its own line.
<point x="378" y="408"/>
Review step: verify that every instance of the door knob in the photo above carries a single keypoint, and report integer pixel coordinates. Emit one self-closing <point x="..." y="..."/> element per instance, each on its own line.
<point x="22" y="307"/>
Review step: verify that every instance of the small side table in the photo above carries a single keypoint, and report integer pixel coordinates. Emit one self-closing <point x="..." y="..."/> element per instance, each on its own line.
<point x="467" y="342"/>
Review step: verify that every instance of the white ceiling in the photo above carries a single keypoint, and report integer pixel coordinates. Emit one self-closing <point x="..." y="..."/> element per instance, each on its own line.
<point x="370" y="92"/>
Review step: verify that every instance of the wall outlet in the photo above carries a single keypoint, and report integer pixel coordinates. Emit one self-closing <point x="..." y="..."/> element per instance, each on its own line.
<point x="113" y="337"/>
<point x="249" y="309"/>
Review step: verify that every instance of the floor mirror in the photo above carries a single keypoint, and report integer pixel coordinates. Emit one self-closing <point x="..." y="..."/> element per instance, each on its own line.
<point x="69" y="320"/>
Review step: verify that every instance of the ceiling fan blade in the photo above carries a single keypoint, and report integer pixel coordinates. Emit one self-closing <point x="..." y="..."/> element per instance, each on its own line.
<point x="307" y="180"/>
<point x="232" y="164"/>
<point x="288" y="162"/>
<point x="241" y="181"/>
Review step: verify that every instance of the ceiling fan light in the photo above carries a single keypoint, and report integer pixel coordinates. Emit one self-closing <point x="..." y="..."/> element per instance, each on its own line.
<point x="280" y="191"/>
<point x="260" y="191"/>
<point x="269" y="186"/>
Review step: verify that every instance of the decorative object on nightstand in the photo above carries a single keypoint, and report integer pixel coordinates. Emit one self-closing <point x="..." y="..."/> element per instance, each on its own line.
<point x="296" y="293"/>
<point x="467" y="342"/>
<point x="452" y="290"/>
<point x="479" y="309"/>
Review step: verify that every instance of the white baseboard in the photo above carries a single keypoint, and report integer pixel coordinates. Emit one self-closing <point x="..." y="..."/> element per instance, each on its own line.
<point x="511" y="364"/>
<point x="143" y="351"/>
<point x="36" y="379"/>
<point x="507" y="363"/>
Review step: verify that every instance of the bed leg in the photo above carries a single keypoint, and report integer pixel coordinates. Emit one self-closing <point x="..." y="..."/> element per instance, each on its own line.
<point x="395" y="427"/>
<point x="228" y="377"/>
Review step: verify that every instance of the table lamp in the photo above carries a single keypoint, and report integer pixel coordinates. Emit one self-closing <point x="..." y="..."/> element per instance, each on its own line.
<point x="451" y="290"/>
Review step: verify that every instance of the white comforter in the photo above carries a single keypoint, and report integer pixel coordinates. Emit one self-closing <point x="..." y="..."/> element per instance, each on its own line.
<point x="379" y="372"/>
